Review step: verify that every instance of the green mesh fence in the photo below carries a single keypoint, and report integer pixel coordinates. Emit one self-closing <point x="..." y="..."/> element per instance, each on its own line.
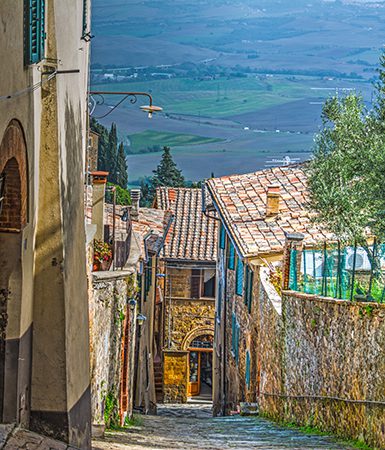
<point x="340" y="272"/>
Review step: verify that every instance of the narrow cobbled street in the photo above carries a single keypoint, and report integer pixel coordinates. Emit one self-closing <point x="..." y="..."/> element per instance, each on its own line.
<point x="191" y="426"/>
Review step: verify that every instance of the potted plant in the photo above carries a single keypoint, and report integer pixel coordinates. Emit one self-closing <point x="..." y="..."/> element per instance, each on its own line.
<point x="102" y="256"/>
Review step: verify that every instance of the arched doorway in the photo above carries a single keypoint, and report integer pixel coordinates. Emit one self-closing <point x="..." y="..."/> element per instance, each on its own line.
<point x="200" y="367"/>
<point x="13" y="218"/>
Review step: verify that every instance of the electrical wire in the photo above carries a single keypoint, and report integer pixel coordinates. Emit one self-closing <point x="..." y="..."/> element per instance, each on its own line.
<point x="29" y="89"/>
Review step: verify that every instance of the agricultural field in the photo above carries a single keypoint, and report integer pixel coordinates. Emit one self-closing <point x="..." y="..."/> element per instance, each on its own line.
<point x="243" y="81"/>
<point x="149" y="138"/>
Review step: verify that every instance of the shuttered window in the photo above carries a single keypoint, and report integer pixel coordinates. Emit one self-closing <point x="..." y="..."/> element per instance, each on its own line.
<point x="196" y="280"/>
<point x="231" y="262"/>
<point x="222" y="237"/>
<point x="235" y="338"/>
<point x="248" y="293"/>
<point x="34" y="31"/>
<point x="247" y="370"/>
<point x="239" y="277"/>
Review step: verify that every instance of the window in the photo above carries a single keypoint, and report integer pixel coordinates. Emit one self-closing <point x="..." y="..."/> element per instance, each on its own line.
<point x="231" y="262"/>
<point x="222" y="237"/>
<point x="247" y="370"/>
<point x="203" y="283"/>
<point x="239" y="277"/>
<point x="249" y="288"/>
<point x="235" y="338"/>
<point x="2" y="189"/>
<point x="34" y="31"/>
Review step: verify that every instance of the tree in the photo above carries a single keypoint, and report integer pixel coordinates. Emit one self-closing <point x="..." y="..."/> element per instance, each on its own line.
<point x="347" y="174"/>
<point x="112" y="154"/>
<point x="166" y="173"/>
<point x="121" y="167"/>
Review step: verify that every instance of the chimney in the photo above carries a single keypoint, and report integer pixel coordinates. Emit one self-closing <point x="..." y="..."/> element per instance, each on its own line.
<point x="273" y="199"/>
<point x="135" y="199"/>
<point x="99" y="181"/>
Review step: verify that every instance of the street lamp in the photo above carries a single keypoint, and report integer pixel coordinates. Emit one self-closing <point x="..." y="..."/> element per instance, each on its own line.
<point x="141" y="319"/>
<point x="97" y="98"/>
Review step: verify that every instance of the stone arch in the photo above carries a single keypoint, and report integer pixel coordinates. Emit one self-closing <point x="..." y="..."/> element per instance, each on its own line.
<point x="13" y="218"/>
<point x="196" y="332"/>
<point x="13" y="165"/>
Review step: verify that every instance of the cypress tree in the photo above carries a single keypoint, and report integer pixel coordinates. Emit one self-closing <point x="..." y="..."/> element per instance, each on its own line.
<point x="112" y="154"/>
<point x="122" y="176"/>
<point x="167" y="173"/>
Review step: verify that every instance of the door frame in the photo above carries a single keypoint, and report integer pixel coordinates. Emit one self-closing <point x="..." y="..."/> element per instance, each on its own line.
<point x="199" y="351"/>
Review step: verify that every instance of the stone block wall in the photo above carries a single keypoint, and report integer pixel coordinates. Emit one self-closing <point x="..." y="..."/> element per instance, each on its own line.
<point x="175" y="376"/>
<point x="323" y="366"/>
<point x="179" y="281"/>
<point x="108" y="315"/>
<point x="186" y="317"/>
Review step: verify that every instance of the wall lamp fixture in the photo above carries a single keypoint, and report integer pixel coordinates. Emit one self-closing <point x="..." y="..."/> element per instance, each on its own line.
<point x="141" y="319"/>
<point x="97" y="98"/>
<point x="132" y="303"/>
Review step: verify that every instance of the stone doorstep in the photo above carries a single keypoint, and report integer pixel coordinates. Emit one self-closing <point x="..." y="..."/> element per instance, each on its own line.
<point x="23" y="439"/>
<point x="248" y="409"/>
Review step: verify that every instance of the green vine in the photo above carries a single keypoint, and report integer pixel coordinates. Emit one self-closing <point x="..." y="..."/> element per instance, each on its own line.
<point x="111" y="411"/>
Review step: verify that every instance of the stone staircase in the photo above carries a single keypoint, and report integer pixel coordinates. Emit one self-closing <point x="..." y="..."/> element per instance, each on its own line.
<point x="158" y="377"/>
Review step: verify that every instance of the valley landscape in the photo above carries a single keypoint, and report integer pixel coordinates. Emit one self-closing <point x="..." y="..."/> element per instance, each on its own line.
<point x="241" y="83"/>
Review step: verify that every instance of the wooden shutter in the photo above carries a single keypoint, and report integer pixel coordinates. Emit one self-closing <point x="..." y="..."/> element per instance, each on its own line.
<point x="231" y="262"/>
<point x="222" y="237"/>
<point x="34" y="31"/>
<point x="195" y="283"/>
<point x="239" y="277"/>
<point x="247" y="375"/>
<point x="248" y="295"/>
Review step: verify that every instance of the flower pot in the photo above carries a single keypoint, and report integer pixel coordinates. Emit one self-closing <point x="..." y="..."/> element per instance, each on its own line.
<point x="95" y="266"/>
<point x="105" y="265"/>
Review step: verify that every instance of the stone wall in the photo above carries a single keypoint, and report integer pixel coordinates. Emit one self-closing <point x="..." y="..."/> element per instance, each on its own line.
<point x="108" y="315"/>
<point x="187" y="317"/>
<point x="175" y="376"/>
<point x="322" y="365"/>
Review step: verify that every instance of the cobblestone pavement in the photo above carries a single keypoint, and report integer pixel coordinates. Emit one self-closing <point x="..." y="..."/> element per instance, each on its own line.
<point x="17" y="439"/>
<point x="192" y="427"/>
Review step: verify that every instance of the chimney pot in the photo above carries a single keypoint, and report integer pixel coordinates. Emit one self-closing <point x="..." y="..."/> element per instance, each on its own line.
<point x="273" y="200"/>
<point x="135" y="199"/>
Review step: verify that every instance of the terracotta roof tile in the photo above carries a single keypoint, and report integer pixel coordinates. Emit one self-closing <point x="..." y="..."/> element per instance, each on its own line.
<point x="242" y="199"/>
<point x="192" y="235"/>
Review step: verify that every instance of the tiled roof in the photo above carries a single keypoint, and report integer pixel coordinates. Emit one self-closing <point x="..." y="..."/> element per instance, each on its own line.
<point x="192" y="235"/>
<point x="154" y="221"/>
<point x="241" y="200"/>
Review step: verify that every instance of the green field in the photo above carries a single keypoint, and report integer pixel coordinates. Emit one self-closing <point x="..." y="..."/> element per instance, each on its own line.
<point x="149" y="138"/>
<point x="216" y="98"/>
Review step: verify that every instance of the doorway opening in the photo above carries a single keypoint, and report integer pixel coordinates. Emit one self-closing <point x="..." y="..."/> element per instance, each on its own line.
<point x="201" y="368"/>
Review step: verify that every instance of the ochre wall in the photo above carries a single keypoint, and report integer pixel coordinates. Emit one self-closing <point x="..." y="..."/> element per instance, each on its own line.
<point x="175" y="376"/>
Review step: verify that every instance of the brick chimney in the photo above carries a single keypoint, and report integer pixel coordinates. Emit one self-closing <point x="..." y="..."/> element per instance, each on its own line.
<point x="273" y="200"/>
<point x="135" y="199"/>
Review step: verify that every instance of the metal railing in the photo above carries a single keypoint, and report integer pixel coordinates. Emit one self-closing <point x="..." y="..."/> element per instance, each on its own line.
<point x="354" y="273"/>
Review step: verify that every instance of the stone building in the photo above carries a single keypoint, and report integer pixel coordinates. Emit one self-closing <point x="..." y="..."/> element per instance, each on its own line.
<point x="44" y="357"/>
<point x="184" y="327"/>
<point x="150" y="230"/>
<point x="257" y="212"/>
